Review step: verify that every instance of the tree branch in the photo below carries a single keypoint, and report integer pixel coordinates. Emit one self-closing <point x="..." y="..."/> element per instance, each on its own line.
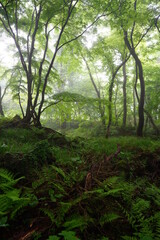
<point x="70" y="9"/>
<point x="4" y="92"/>
<point x="50" y="105"/>
<point x="78" y="36"/>
<point x="156" y="23"/>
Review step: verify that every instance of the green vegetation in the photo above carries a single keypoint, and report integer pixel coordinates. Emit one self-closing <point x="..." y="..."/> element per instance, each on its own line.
<point x="78" y="189"/>
<point x="79" y="120"/>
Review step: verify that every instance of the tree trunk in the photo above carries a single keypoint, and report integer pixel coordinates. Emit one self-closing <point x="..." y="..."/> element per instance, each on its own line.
<point x="124" y="96"/>
<point x="110" y="105"/>
<point x="115" y="105"/>
<point x="134" y="109"/>
<point x="101" y="107"/>
<point x="1" y="108"/>
<point x="149" y="116"/>
<point x="142" y="84"/>
<point x="110" y="95"/>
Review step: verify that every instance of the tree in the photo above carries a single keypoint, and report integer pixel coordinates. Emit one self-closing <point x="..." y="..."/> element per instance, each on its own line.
<point x="131" y="18"/>
<point x="30" y="24"/>
<point x="101" y="106"/>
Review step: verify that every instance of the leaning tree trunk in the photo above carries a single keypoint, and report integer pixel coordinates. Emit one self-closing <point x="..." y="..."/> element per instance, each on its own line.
<point x="142" y="86"/>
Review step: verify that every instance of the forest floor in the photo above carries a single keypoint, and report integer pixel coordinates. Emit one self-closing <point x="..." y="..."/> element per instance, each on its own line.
<point x="55" y="188"/>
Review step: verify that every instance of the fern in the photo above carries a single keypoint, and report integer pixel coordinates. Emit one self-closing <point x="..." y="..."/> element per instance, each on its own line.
<point x="20" y="205"/>
<point x="59" y="170"/>
<point x="10" y="200"/>
<point x="69" y="235"/>
<point x="6" y="176"/>
<point x="49" y="213"/>
<point x="53" y="237"/>
<point x="107" y="218"/>
<point x="79" y="222"/>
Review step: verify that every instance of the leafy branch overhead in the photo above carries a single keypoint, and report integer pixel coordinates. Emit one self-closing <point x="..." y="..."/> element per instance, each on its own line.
<point x="73" y="97"/>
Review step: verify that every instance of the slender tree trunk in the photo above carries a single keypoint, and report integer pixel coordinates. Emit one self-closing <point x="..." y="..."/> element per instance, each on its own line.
<point x="149" y="116"/>
<point x="28" y="114"/>
<point x="110" y="95"/>
<point x="115" y="104"/>
<point x="1" y="107"/>
<point x="124" y="96"/>
<point x="142" y="84"/>
<point x="134" y="108"/>
<point x="146" y="123"/>
<point x="110" y="105"/>
<point x="101" y="107"/>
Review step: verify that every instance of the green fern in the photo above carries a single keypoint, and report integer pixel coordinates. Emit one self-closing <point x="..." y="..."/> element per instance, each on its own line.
<point x="79" y="222"/>
<point x="69" y="235"/>
<point x="11" y="200"/>
<point x="59" y="171"/>
<point x="108" y="217"/>
<point x="6" y="176"/>
<point x="49" y="213"/>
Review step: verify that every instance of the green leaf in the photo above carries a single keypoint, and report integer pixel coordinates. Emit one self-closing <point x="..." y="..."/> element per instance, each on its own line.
<point x="3" y="222"/>
<point x="76" y="222"/>
<point x="54" y="237"/>
<point x="108" y="218"/>
<point x="59" y="170"/>
<point x="69" y="235"/>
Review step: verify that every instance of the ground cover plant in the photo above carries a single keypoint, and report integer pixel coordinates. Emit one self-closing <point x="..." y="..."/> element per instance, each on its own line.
<point x="90" y="189"/>
<point x="79" y="119"/>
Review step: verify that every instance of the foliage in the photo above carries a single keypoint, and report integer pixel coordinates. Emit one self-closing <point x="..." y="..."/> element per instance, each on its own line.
<point x="11" y="200"/>
<point x="55" y="192"/>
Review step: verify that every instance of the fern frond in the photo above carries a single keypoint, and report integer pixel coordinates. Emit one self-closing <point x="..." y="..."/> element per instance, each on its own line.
<point x="108" y="218"/>
<point x="49" y="213"/>
<point x="59" y="170"/>
<point x="6" y="176"/>
<point x="19" y="206"/>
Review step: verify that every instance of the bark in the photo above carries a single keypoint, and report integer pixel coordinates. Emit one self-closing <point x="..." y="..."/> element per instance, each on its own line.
<point x="1" y="98"/>
<point x="124" y="96"/>
<point x="134" y="109"/>
<point x="146" y="123"/>
<point x="115" y="104"/>
<point x="142" y="85"/>
<point x="111" y="94"/>
<point x="149" y="116"/>
<point x="1" y="107"/>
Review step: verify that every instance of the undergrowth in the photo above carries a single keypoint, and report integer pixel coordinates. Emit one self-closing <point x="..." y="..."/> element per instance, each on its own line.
<point x="84" y="190"/>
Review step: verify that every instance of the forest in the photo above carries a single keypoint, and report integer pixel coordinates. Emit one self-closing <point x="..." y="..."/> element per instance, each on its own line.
<point x="79" y="120"/>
